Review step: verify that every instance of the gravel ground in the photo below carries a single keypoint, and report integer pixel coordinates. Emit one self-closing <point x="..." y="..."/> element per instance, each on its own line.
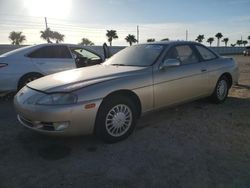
<point x="197" y="144"/>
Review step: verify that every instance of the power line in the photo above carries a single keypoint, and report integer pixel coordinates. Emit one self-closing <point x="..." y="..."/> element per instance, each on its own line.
<point x="73" y="28"/>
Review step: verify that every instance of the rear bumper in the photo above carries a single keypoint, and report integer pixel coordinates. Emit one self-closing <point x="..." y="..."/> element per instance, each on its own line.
<point x="246" y="53"/>
<point x="236" y="76"/>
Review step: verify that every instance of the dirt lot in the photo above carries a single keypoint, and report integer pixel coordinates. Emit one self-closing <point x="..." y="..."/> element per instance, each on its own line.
<point x="193" y="145"/>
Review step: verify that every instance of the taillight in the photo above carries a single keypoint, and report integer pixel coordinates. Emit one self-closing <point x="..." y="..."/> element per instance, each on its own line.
<point x="3" y="65"/>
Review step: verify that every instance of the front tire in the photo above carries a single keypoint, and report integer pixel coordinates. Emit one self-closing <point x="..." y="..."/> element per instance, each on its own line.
<point x="221" y="90"/>
<point x="116" y="119"/>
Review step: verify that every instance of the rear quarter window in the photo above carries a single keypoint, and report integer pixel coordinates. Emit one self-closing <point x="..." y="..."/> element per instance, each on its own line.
<point x="205" y="53"/>
<point x="51" y="52"/>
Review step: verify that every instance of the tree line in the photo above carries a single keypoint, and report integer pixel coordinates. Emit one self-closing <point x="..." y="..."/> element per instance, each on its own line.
<point x="219" y="36"/>
<point x="50" y="36"/>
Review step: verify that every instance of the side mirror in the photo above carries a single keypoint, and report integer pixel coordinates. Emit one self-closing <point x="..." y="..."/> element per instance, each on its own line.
<point x="170" y="63"/>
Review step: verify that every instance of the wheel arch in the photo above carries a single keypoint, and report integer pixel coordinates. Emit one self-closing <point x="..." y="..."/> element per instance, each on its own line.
<point x="127" y="93"/>
<point x="26" y="75"/>
<point x="229" y="77"/>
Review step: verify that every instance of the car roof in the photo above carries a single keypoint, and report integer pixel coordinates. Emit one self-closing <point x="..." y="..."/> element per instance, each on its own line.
<point x="57" y="44"/>
<point x="172" y="42"/>
<point x="90" y="48"/>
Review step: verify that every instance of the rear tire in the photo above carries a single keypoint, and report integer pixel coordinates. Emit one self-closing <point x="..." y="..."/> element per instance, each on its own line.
<point x="28" y="78"/>
<point x="116" y="119"/>
<point x="221" y="90"/>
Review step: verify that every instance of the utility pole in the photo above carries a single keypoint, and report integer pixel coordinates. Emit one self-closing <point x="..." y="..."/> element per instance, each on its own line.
<point x="46" y="24"/>
<point x="137" y="34"/>
<point x="186" y="35"/>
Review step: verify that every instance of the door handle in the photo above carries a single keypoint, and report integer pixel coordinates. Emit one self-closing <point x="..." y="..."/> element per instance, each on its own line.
<point x="41" y="63"/>
<point x="203" y="70"/>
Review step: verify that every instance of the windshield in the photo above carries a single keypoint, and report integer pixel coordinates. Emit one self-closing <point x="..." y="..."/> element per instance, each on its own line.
<point x="138" y="55"/>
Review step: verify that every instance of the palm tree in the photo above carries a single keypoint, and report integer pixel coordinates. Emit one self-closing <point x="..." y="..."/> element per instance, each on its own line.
<point x="47" y="34"/>
<point x="111" y="34"/>
<point x="86" y="42"/>
<point x="218" y="36"/>
<point x="131" y="39"/>
<point x="166" y="39"/>
<point x="58" y="36"/>
<point x="17" y="38"/>
<point x="239" y="42"/>
<point x="244" y="42"/>
<point x="225" y="40"/>
<point x="200" y="38"/>
<point x="210" y="40"/>
<point x="151" y="40"/>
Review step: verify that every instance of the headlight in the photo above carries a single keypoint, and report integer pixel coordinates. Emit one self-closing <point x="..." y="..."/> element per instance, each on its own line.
<point x="57" y="99"/>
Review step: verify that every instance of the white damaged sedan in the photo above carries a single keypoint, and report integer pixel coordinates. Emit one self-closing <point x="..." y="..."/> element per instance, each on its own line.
<point x="23" y="65"/>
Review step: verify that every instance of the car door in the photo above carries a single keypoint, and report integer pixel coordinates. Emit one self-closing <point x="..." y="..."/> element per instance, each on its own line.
<point x="179" y="83"/>
<point x="52" y="59"/>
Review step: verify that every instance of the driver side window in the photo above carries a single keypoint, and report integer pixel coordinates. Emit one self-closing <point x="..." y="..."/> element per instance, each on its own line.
<point x="183" y="53"/>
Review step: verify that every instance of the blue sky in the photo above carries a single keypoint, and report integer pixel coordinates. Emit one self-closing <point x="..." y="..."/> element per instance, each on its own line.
<point x="156" y="18"/>
<point x="148" y="11"/>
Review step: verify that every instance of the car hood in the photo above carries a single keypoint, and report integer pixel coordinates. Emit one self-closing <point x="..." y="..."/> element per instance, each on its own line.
<point x="78" y="78"/>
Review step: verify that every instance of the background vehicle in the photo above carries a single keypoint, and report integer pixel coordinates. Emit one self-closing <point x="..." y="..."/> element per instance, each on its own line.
<point x="246" y="51"/>
<point x="26" y="64"/>
<point x="107" y="99"/>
